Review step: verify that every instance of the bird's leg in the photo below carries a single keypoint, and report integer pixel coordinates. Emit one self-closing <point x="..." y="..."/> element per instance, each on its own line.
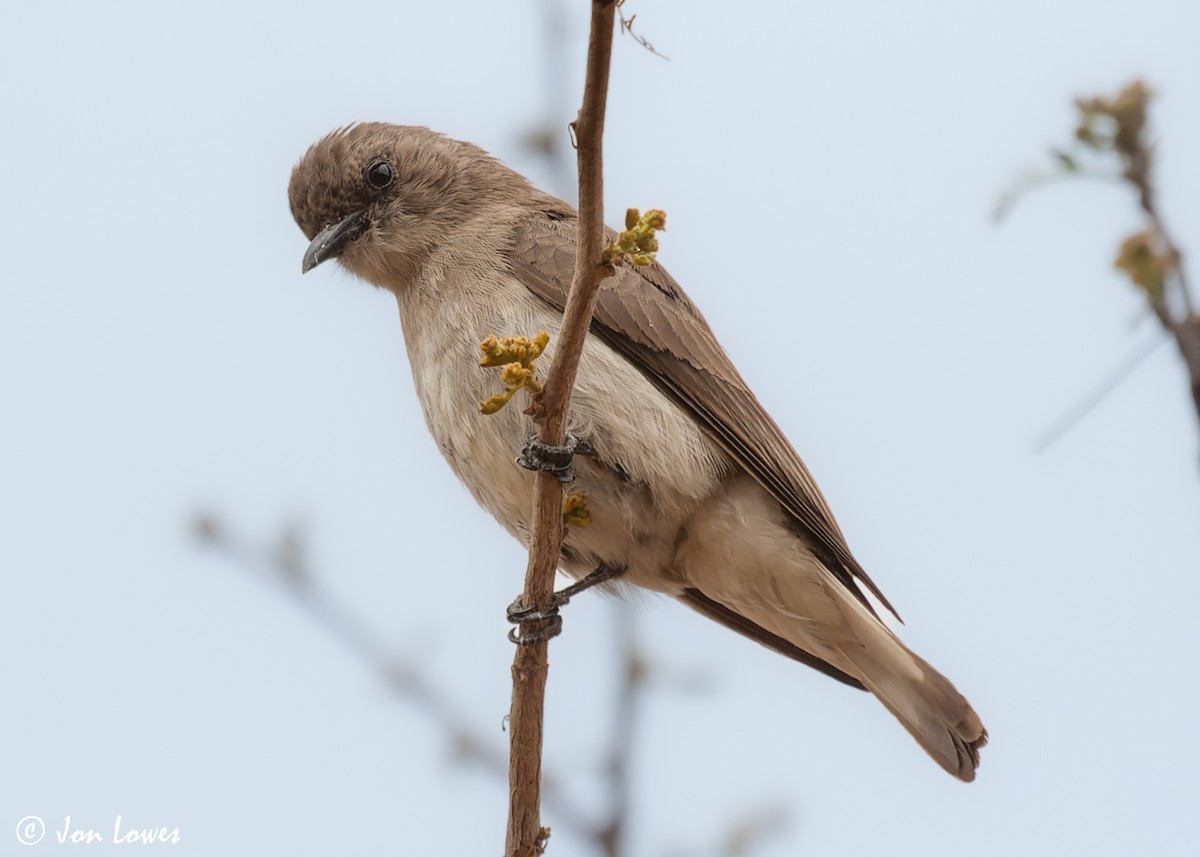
<point x="523" y="616"/>
<point x="555" y="460"/>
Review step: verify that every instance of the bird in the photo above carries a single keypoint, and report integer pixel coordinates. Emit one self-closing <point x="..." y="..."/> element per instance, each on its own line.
<point x="693" y="490"/>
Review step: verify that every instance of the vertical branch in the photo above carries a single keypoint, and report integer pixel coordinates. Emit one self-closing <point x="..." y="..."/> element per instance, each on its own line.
<point x="1181" y="321"/>
<point x="1187" y="339"/>
<point x="525" y="835"/>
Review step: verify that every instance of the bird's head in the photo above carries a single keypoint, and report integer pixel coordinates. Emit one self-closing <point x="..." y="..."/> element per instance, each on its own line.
<point x="380" y="197"/>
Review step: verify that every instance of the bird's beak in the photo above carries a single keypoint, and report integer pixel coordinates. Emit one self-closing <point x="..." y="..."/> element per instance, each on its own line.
<point x="330" y="241"/>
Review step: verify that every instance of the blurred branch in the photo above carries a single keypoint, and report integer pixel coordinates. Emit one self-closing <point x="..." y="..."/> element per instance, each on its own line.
<point x="1064" y="168"/>
<point x="754" y="829"/>
<point x="626" y="716"/>
<point x="1092" y="401"/>
<point x="546" y="138"/>
<point x="285" y="565"/>
<point x="745" y="835"/>
<point x="1114" y="132"/>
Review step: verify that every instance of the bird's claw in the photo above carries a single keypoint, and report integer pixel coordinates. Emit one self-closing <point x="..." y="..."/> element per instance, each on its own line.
<point x="556" y="460"/>
<point x="523" y="616"/>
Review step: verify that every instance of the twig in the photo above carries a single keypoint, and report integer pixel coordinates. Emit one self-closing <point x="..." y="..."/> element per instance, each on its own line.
<point x="525" y="835"/>
<point x="1092" y="401"/>
<point x="627" y="28"/>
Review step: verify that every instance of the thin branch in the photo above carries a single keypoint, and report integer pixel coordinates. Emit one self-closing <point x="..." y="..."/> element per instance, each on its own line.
<point x="627" y="28"/>
<point x="1037" y="179"/>
<point x="1101" y="392"/>
<point x="525" y="836"/>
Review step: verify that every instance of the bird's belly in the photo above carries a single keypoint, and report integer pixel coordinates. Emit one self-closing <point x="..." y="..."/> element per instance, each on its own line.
<point x="632" y="526"/>
<point x="652" y="468"/>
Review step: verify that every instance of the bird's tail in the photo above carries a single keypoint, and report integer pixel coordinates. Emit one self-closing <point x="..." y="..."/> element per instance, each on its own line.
<point x="921" y="698"/>
<point x="750" y="574"/>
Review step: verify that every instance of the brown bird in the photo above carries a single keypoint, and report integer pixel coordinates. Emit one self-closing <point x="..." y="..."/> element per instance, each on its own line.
<point x="692" y="488"/>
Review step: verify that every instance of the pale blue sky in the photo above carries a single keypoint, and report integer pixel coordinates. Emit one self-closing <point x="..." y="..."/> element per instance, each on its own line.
<point x="159" y="351"/>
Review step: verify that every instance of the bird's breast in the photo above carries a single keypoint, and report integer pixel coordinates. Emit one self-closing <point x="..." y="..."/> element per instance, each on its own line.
<point x="652" y="465"/>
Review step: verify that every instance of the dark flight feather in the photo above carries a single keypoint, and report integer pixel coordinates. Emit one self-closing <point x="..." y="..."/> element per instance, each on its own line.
<point x="734" y="621"/>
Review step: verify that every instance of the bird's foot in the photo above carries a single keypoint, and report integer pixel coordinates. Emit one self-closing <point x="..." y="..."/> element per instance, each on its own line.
<point x="533" y="626"/>
<point x="548" y="623"/>
<point x="555" y="460"/>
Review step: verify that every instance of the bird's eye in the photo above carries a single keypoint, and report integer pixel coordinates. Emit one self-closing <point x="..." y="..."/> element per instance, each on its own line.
<point x="379" y="174"/>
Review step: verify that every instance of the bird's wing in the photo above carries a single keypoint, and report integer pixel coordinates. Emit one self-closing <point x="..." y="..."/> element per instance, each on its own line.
<point x="643" y="314"/>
